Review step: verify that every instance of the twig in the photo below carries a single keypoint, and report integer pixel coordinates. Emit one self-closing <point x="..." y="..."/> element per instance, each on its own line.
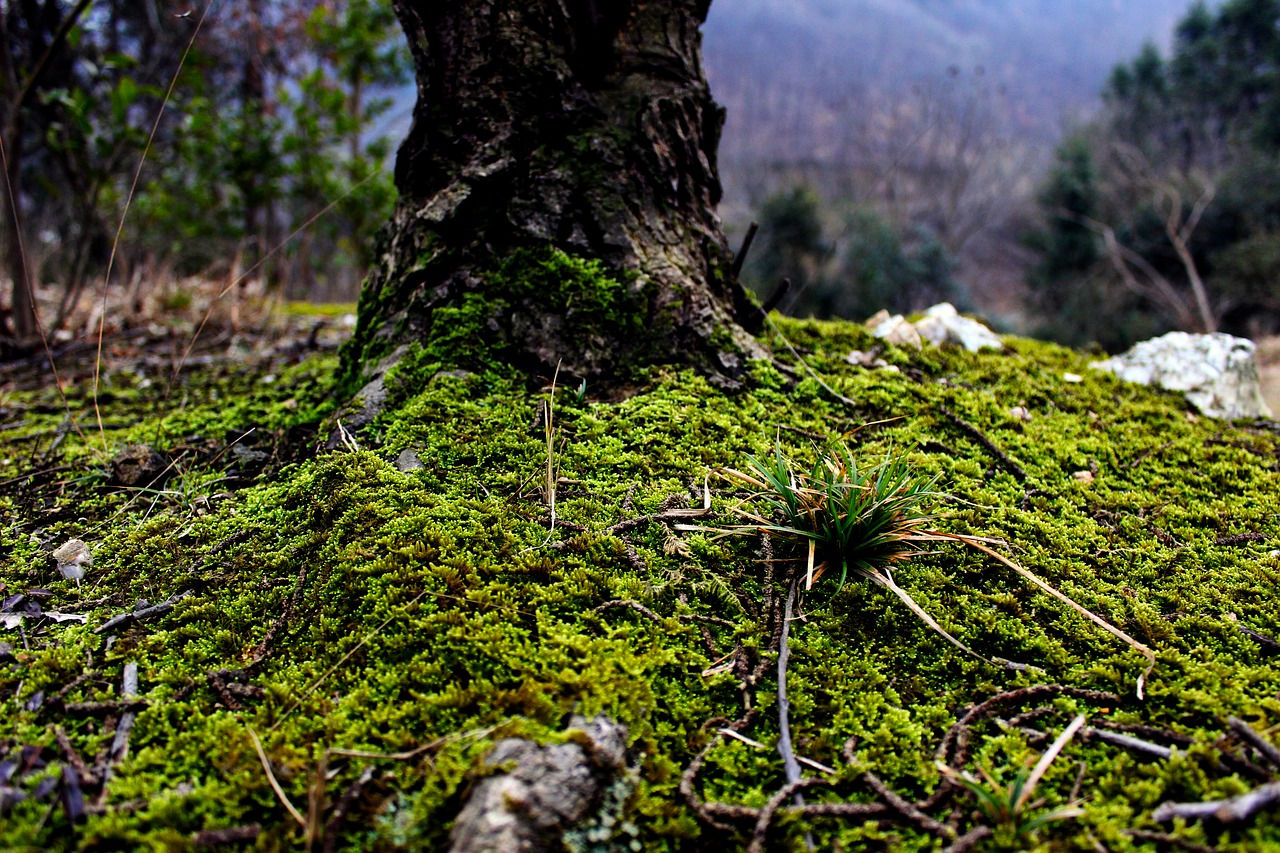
<point x="632" y="523"/>
<point x="120" y="743"/>
<point x="1263" y="640"/>
<point x="711" y="620"/>
<point x="363" y="640"/>
<point x="73" y="757"/>
<point x="791" y="789"/>
<point x="344" y="804"/>
<point x="784" y="287"/>
<point x="1234" y="810"/>
<point x="1166" y="539"/>
<point x="977" y="435"/>
<point x="231" y="835"/>
<point x="1264" y="747"/>
<point x="122" y="620"/>
<point x="409" y="755"/>
<point x="741" y="258"/>
<point x="954" y="749"/>
<point x="1142" y="457"/>
<point x="1079" y="608"/>
<point x="906" y="809"/>
<point x="275" y="786"/>
<point x="1162" y="838"/>
<point x="102" y="709"/>
<point x="708" y="641"/>
<point x="1240" y="539"/>
<point x="708" y="812"/>
<point x="630" y="605"/>
<point x="1116" y="739"/>
<point x="816" y="378"/>
<point x="789" y="763"/>
<point x="969" y="840"/>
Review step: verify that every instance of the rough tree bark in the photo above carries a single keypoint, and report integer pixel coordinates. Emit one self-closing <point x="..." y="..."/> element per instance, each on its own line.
<point x="546" y="133"/>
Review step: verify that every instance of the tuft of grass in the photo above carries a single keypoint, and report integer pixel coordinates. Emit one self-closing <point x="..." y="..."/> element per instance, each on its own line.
<point x="861" y="520"/>
<point x="865" y="521"/>
<point x="1009" y="806"/>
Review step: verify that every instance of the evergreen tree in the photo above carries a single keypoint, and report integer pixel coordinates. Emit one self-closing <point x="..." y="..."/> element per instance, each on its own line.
<point x="791" y="246"/>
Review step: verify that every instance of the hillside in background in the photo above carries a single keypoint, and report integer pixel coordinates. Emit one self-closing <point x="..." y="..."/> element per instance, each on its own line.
<point x="773" y="61"/>
<point x="939" y="114"/>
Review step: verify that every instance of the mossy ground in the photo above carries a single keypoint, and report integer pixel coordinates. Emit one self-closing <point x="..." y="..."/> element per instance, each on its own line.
<point x="382" y="612"/>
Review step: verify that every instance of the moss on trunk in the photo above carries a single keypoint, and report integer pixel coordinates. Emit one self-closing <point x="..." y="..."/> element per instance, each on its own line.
<point x="546" y="129"/>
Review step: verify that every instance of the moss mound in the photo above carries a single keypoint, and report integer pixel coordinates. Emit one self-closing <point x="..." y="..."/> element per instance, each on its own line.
<point x="378" y="631"/>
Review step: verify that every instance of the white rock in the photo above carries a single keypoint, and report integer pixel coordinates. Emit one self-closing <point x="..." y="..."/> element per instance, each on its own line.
<point x="1217" y="373"/>
<point x="895" y="330"/>
<point x="859" y="358"/>
<point x="942" y="324"/>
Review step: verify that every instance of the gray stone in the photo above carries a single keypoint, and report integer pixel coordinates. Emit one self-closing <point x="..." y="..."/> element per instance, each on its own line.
<point x="408" y="461"/>
<point x="548" y="790"/>
<point x="1217" y="373"/>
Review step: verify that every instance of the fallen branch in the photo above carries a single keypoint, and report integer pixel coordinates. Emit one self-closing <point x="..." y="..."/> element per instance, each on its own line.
<point x="1234" y="810"/>
<point x="1127" y="742"/>
<point x="969" y="840"/>
<point x="231" y="835"/>
<point x="1264" y="747"/>
<point x="73" y="758"/>
<point x="1240" y="539"/>
<point x="345" y="802"/>
<point x="123" y="620"/>
<point x="630" y="524"/>
<point x="120" y="742"/>
<point x="630" y="605"/>
<point x="1162" y="838"/>
<point x="790" y="766"/>
<point x="1268" y="645"/>
<point x="102" y="709"/>
<point x="906" y="809"/>
<point x="770" y="810"/>
<point x="977" y="435"/>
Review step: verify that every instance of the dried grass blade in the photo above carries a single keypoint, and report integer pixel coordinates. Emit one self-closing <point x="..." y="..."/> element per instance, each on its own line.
<point x="886" y="580"/>
<point x="808" y="573"/>
<point x="1065" y="599"/>
<point x="1045" y="760"/>
<point x="275" y="786"/>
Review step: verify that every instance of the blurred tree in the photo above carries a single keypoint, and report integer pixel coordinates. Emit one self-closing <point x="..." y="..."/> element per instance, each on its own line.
<point x="871" y="264"/>
<point x="1183" y="206"/>
<point x="791" y="245"/>
<point x="270" y="122"/>
<point x="35" y="57"/>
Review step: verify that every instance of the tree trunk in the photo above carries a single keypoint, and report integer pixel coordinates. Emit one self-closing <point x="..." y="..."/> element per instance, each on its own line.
<point x="557" y="193"/>
<point x="25" y="325"/>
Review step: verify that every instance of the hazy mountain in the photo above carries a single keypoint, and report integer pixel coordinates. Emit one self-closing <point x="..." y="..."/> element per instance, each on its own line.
<point x="1046" y="58"/>
<point x="938" y="114"/>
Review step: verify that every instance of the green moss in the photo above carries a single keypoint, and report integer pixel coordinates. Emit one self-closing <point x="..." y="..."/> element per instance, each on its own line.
<point x="541" y="294"/>
<point x="382" y="611"/>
